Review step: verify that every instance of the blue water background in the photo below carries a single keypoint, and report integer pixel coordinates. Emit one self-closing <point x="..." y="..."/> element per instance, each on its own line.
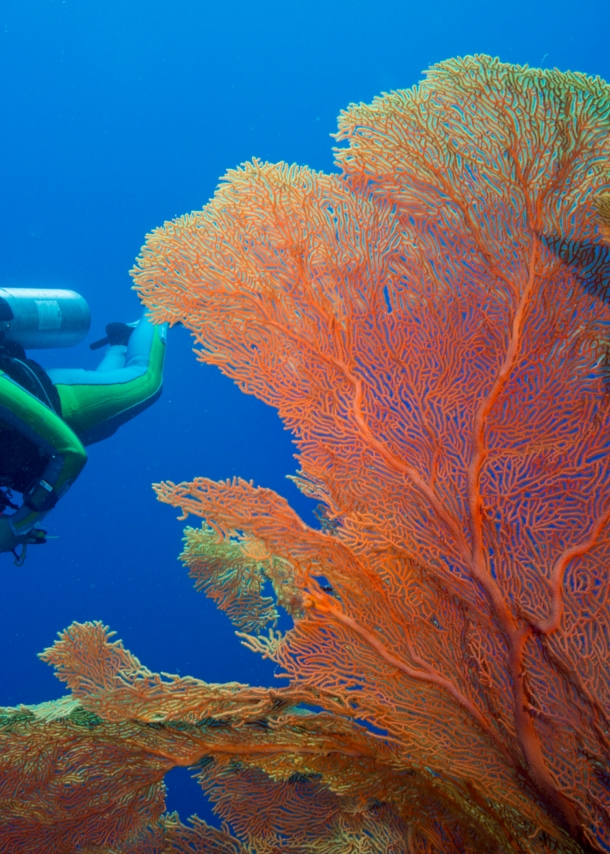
<point x="116" y="116"/>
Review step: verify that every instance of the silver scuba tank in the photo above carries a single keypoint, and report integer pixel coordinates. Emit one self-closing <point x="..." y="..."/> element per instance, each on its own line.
<point x="38" y="318"/>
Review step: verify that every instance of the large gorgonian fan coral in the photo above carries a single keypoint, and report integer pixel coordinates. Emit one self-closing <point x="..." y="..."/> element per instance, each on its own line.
<point x="432" y="326"/>
<point x="84" y="773"/>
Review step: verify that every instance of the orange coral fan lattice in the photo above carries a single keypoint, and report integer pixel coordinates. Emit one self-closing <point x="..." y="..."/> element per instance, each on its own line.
<point x="432" y="326"/>
<point x="280" y="777"/>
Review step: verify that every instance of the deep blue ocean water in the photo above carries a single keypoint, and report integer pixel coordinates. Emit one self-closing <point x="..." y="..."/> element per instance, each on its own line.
<point x="116" y="116"/>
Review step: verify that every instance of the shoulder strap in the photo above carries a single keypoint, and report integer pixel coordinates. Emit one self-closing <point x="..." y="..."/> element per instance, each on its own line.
<point x="32" y="377"/>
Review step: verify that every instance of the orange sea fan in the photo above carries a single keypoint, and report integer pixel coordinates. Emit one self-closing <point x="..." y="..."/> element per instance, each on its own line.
<point x="70" y="778"/>
<point x="70" y="782"/>
<point x="113" y="684"/>
<point x="233" y="571"/>
<point x="430" y="325"/>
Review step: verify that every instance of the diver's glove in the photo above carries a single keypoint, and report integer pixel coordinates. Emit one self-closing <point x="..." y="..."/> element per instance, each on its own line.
<point x="35" y="537"/>
<point x="116" y="333"/>
<point x="9" y="540"/>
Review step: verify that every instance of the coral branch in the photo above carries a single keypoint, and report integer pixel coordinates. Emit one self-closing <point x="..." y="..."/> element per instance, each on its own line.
<point x="431" y="324"/>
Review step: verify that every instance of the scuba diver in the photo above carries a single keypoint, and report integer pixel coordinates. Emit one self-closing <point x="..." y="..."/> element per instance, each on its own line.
<point x="48" y="417"/>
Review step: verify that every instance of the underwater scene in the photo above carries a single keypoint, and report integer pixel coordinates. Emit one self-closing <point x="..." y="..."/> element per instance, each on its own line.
<point x="304" y="427"/>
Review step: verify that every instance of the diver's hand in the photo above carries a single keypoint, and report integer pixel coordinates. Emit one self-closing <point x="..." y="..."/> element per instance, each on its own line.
<point x="9" y="540"/>
<point x="35" y="537"/>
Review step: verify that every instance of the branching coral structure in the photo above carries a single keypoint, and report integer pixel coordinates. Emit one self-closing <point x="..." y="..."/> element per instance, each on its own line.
<point x="431" y="323"/>
<point x="432" y="326"/>
<point x="84" y="774"/>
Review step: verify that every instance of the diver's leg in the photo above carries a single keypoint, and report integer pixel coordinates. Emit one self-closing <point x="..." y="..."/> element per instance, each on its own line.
<point x="96" y="403"/>
<point x="114" y="358"/>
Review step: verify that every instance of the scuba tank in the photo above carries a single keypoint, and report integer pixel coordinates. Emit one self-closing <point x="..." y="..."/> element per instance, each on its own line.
<point x="38" y="318"/>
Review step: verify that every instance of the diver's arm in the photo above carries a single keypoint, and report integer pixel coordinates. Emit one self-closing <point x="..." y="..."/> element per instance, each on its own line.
<point x="67" y="456"/>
